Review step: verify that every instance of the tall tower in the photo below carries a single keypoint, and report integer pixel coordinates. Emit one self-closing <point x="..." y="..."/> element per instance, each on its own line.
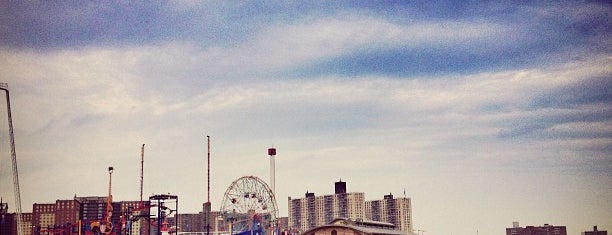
<point x="272" y="153"/>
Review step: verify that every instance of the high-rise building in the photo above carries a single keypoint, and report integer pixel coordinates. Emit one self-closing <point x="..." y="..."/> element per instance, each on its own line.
<point x="312" y="211"/>
<point x="595" y="232"/>
<point x="397" y="211"/>
<point x="536" y="230"/>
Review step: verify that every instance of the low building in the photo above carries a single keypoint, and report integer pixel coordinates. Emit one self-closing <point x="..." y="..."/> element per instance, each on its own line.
<point x="595" y="232"/>
<point x="547" y="229"/>
<point x="343" y="226"/>
<point x="8" y="221"/>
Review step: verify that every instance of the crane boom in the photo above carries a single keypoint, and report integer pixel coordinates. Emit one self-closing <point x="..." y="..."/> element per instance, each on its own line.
<point x="4" y="87"/>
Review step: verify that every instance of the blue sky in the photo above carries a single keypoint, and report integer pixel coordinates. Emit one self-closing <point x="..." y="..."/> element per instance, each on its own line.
<point x="483" y="113"/>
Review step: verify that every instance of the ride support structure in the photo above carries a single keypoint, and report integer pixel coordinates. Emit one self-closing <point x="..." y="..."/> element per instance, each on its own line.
<point x="4" y="87"/>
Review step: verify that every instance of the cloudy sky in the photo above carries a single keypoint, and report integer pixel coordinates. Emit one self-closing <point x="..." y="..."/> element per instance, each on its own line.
<point x="483" y="114"/>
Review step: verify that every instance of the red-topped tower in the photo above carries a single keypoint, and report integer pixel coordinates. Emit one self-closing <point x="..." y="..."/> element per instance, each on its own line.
<point x="272" y="154"/>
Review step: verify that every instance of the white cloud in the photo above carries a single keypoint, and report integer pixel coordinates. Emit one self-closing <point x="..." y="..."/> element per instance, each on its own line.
<point x="308" y="41"/>
<point x="96" y="107"/>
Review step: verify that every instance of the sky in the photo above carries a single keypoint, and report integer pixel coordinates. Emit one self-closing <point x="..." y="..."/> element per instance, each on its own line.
<point x="481" y="113"/>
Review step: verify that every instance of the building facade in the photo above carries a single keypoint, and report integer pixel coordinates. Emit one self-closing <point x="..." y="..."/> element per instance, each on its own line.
<point x="43" y="215"/>
<point x="92" y="208"/>
<point x="132" y="208"/>
<point x="397" y="211"/>
<point x="192" y="223"/>
<point x="547" y="229"/>
<point x="312" y="211"/>
<point x="67" y="212"/>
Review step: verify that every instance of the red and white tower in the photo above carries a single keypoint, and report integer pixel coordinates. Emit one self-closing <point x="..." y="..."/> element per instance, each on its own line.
<point x="272" y="153"/>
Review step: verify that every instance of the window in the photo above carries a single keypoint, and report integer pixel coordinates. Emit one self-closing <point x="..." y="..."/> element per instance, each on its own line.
<point x="334" y="232"/>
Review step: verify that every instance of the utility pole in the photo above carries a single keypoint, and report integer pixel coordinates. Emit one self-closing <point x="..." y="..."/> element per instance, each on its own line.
<point x="4" y="87"/>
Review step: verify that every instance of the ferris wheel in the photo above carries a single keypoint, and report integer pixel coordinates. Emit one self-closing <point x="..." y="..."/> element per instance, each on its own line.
<point x="249" y="206"/>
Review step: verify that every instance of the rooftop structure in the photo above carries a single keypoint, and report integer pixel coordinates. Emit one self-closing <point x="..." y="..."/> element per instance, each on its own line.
<point x="595" y="232"/>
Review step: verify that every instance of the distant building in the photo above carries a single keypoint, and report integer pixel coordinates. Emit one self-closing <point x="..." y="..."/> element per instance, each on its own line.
<point x="536" y="230"/>
<point x="197" y="222"/>
<point x="67" y="212"/>
<point x="43" y="215"/>
<point x="215" y="224"/>
<point x="283" y="223"/>
<point x="53" y="218"/>
<point x="363" y="227"/>
<point x="139" y="212"/>
<point x="191" y="223"/>
<point x="26" y="223"/>
<point x="92" y="208"/>
<point x="313" y="211"/>
<point x="595" y="232"/>
<point x="8" y="223"/>
<point x="397" y="211"/>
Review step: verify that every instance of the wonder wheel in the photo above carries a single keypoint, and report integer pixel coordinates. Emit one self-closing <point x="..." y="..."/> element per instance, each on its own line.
<point x="249" y="207"/>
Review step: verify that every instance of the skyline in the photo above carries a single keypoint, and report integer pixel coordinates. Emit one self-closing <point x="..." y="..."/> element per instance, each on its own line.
<point x="483" y="113"/>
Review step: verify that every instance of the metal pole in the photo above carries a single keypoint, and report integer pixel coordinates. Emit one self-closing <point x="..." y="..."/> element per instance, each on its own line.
<point x="141" y="173"/>
<point x="159" y="215"/>
<point x="176" y="216"/>
<point x="208" y="192"/>
<point x="208" y="171"/>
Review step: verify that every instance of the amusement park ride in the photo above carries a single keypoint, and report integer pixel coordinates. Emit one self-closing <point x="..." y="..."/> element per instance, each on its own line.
<point x="105" y="226"/>
<point x="16" y="191"/>
<point x="248" y="207"/>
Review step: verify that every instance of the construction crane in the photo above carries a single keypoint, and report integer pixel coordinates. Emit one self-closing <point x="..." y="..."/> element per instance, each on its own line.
<point x="4" y="87"/>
